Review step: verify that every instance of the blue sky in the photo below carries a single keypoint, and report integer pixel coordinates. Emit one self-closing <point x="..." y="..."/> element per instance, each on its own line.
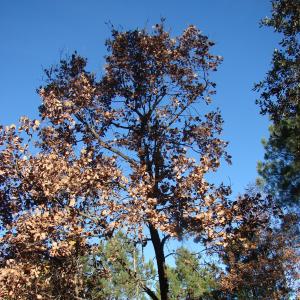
<point x="34" y="34"/>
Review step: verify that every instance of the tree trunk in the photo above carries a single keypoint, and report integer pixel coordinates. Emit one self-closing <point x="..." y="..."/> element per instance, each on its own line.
<point x="161" y="263"/>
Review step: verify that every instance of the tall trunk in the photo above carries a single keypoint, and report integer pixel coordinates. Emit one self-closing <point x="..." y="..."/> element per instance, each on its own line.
<point x="158" y="244"/>
<point x="161" y="263"/>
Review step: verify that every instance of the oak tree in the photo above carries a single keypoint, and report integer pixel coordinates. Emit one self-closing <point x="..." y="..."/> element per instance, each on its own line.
<point x="127" y="151"/>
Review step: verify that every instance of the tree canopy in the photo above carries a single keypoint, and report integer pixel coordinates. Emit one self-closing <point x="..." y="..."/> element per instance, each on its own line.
<point x="280" y="89"/>
<point x="279" y="99"/>
<point x="127" y="152"/>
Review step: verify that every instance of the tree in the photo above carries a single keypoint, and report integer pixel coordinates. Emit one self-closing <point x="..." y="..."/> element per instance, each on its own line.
<point x="280" y="89"/>
<point x="280" y="170"/>
<point x="260" y="258"/>
<point x="128" y="274"/>
<point x="280" y="92"/>
<point x="188" y="279"/>
<point x="128" y="151"/>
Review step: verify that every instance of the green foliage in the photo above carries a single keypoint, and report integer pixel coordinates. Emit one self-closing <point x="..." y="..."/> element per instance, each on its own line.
<point x="280" y="99"/>
<point x="127" y="273"/>
<point x="188" y="279"/>
<point x="280" y="171"/>
<point x="125" y="268"/>
<point x="280" y="89"/>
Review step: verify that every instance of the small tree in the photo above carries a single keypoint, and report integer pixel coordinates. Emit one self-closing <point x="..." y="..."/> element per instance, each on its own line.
<point x="188" y="278"/>
<point x="128" y="274"/>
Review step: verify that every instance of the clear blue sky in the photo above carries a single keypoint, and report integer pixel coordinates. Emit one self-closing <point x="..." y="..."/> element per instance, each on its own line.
<point x="35" y="33"/>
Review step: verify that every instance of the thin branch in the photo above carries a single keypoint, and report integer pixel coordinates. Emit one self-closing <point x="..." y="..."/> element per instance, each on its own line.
<point x="164" y="239"/>
<point x="170" y="254"/>
<point x="185" y="107"/>
<point x="122" y="126"/>
<point x="134" y="275"/>
<point x="104" y="144"/>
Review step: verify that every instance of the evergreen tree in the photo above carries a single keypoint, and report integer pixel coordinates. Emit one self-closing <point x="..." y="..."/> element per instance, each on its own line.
<point x="279" y="99"/>
<point x="280" y="171"/>
<point x="128" y="273"/>
<point x="188" y="279"/>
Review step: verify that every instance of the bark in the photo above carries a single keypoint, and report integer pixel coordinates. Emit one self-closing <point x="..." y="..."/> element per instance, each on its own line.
<point x="161" y="263"/>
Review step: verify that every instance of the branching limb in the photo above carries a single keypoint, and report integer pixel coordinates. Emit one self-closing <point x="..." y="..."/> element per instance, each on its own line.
<point x="104" y="144"/>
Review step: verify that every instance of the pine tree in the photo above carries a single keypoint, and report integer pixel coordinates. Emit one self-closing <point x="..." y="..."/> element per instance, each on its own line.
<point x="280" y="100"/>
